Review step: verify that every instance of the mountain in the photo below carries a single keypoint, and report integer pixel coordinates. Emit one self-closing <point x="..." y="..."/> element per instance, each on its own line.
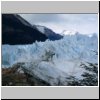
<point x="67" y="32"/>
<point x="48" y="32"/>
<point x="16" y="30"/>
<point x="72" y="60"/>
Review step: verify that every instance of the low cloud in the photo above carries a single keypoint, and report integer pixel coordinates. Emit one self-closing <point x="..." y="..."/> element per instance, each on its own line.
<point x="83" y="23"/>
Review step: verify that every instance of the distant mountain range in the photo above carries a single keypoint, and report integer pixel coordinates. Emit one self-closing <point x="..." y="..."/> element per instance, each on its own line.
<point x="16" y="30"/>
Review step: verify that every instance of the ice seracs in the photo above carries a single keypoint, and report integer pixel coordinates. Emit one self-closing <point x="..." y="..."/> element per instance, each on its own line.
<point x="54" y="61"/>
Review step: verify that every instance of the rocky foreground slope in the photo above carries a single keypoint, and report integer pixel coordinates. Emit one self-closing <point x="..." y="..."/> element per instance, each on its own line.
<point x="19" y="76"/>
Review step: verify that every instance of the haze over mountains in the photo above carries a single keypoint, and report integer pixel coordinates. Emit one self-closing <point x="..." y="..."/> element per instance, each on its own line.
<point x="21" y="31"/>
<point x="82" y="23"/>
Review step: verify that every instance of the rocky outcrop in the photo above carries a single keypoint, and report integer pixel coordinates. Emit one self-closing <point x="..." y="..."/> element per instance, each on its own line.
<point x="16" y="76"/>
<point x="22" y="75"/>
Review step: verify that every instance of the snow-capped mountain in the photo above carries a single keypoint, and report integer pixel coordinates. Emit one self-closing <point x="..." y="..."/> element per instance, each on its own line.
<point x="48" y="32"/>
<point x="54" y="61"/>
<point x="16" y="30"/>
<point x="67" y="32"/>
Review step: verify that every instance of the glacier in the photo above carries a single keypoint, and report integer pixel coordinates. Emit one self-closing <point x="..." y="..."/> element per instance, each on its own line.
<point x="53" y="61"/>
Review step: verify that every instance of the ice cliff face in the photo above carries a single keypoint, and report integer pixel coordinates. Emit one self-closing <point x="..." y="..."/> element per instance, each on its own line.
<point x="53" y="61"/>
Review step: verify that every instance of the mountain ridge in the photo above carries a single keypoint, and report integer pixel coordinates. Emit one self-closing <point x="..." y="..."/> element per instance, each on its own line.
<point x="19" y="31"/>
<point x="48" y="32"/>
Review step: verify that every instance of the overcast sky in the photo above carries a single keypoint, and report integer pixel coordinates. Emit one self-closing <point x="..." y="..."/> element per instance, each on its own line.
<point x="83" y="23"/>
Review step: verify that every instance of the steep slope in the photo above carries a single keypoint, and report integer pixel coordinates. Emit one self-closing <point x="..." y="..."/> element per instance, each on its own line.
<point x="16" y="30"/>
<point x="48" y="32"/>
